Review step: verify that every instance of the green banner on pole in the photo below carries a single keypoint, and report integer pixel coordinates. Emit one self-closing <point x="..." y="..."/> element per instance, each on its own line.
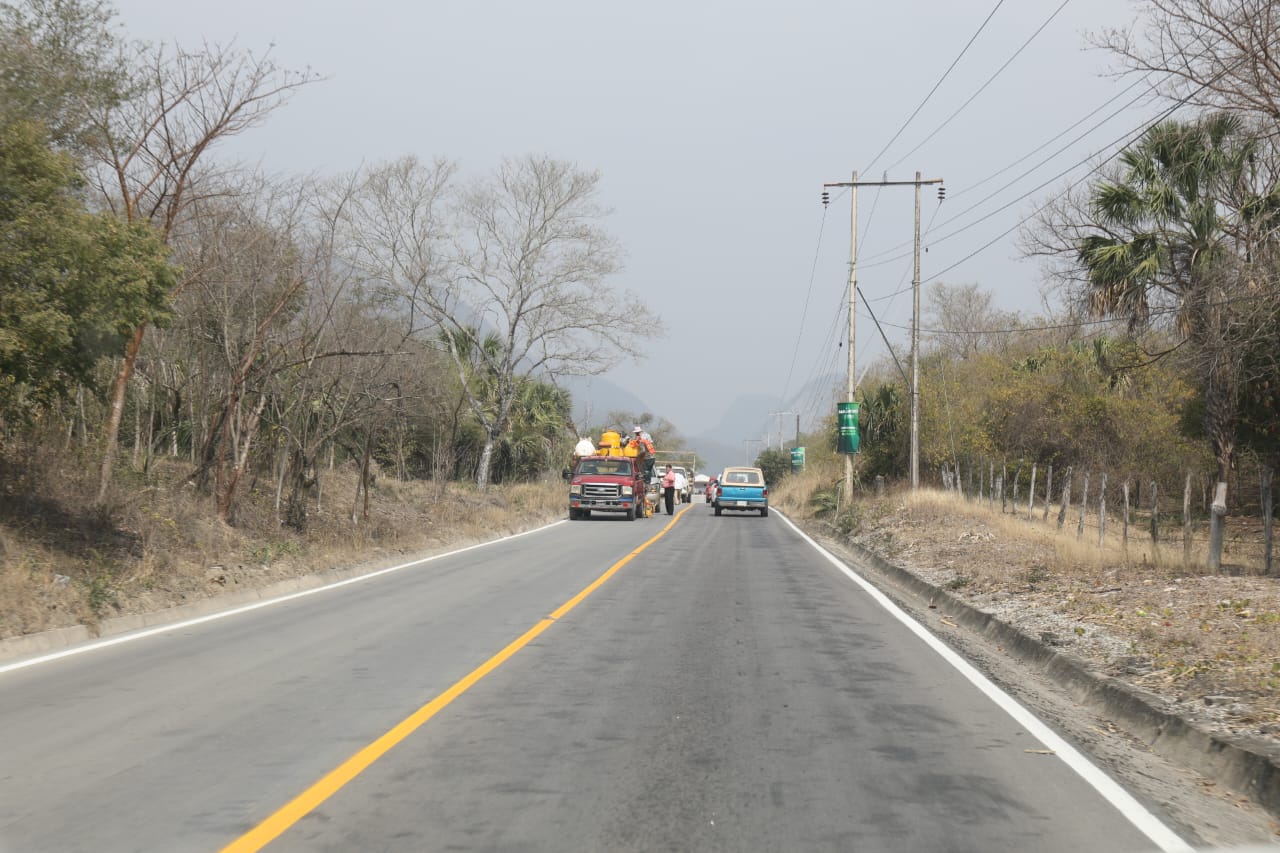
<point x="847" y="418"/>
<point x="797" y="459"/>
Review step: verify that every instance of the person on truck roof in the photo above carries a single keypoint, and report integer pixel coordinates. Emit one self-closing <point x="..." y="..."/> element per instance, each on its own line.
<point x="643" y="439"/>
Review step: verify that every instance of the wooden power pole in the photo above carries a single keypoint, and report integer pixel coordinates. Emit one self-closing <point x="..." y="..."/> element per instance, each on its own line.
<point x="851" y="379"/>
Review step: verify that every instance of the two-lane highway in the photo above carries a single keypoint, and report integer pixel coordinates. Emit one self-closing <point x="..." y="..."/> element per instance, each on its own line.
<point x="721" y="686"/>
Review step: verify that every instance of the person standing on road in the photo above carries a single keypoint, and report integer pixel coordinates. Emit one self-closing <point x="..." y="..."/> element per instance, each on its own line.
<point x="669" y="490"/>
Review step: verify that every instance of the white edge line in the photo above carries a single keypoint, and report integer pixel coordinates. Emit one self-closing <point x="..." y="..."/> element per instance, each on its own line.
<point x="1125" y="803"/>
<point x="222" y="614"/>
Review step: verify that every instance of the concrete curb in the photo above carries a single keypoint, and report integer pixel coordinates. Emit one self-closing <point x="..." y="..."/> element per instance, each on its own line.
<point x="1247" y="765"/>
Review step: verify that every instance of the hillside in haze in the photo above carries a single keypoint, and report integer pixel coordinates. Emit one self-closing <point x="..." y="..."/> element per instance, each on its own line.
<point x="747" y="424"/>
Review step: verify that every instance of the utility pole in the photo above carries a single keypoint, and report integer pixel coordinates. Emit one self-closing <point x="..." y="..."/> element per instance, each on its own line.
<point x="779" y="415"/>
<point x="915" y="318"/>
<point x="851" y="335"/>
<point x="915" y="351"/>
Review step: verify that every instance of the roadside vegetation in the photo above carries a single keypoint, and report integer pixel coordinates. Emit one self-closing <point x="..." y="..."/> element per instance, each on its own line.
<point x="211" y="376"/>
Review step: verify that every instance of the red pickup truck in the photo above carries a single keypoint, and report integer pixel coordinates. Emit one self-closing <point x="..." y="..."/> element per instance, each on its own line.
<point x="607" y="484"/>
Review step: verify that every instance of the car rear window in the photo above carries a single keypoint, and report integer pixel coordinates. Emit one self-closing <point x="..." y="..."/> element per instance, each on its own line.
<point x="743" y="478"/>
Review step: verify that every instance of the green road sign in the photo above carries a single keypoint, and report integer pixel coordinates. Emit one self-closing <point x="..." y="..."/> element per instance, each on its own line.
<point x="797" y="459"/>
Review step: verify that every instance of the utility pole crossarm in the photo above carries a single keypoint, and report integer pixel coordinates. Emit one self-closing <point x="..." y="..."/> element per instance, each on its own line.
<point x="779" y="415"/>
<point x="857" y="183"/>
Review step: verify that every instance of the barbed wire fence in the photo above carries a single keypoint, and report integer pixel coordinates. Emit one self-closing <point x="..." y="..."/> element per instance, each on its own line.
<point x="1138" y="510"/>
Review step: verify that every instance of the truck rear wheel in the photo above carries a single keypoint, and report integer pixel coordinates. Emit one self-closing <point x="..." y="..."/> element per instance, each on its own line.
<point x="631" y="514"/>
<point x="764" y="513"/>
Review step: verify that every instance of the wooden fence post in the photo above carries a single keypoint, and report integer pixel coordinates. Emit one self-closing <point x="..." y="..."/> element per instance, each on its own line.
<point x="1031" y="493"/>
<point x="1217" y="525"/>
<point x="1124" y="537"/>
<point x="1186" y="522"/>
<point x="991" y="483"/>
<point x="1017" y="477"/>
<point x="1048" y="492"/>
<point x="1084" y="504"/>
<point x="998" y="494"/>
<point x="1066" y="500"/>
<point x="1155" y="514"/>
<point x="1267" y="520"/>
<point x="1004" y="478"/>
<point x="1102" y="509"/>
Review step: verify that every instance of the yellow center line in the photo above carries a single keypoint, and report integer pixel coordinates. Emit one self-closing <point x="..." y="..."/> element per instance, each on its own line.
<point x="333" y="781"/>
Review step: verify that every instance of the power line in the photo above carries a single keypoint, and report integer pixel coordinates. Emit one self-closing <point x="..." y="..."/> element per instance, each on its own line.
<point x="804" y="314"/>
<point x="1121" y="141"/>
<point x="1137" y="132"/>
<point x="1075" y="324"/>
<point x="944" y="76"/>
<point x="1108" y="102"/>
<point x="875" y="259"/>
<point x="983" y="87"/>
<point x="1040" y="208"/>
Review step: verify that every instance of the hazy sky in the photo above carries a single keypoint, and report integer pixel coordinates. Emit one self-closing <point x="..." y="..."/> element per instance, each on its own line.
<point x="714" y="125"/>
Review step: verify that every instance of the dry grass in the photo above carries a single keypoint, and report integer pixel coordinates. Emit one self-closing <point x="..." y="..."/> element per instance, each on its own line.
<point x="159" y="544"/>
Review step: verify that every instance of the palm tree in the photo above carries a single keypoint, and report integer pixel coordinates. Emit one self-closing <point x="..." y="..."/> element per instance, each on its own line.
<point x="1172" y="236"/>
<point x="477" y="359"/>
<point x="538" y="428"/>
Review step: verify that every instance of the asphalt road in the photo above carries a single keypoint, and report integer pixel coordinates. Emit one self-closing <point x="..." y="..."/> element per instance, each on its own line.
<point x="725" y="688"/>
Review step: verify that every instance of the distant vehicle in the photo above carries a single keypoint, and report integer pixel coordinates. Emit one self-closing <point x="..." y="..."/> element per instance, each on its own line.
<point x="742" y="489"/>
<point x="710" y="491"/>
<point x="700" y="482"/>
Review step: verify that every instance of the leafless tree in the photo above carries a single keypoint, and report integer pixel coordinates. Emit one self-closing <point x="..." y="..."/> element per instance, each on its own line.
<point x="530" y="261"/>
<point x="252" y="276"/>
<point x="1221" y="54"/>
<point x="517" y="292"/>
<point x="149" y="150"/>
<point x="963" y="321"/>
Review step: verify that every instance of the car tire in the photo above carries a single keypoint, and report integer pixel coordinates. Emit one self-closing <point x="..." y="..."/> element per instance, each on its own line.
<point x="764" y="513"/>
<point x="717" y="510"/>
<point x="631" y="514"/>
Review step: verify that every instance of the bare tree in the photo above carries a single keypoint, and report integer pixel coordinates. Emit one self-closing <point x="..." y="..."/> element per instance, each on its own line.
<point x="1208" y="53"/>
<point x="524" y="270"/>
<point x="148" y="149"/>
<point x="252" y="275"/>
<point x="964" y="321"/>
<point x="529" y="262"/>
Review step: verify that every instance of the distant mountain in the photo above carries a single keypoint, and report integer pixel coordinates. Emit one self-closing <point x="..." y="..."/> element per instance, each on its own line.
<point x="740" y="434"/>
<point x="595" y="397"/>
